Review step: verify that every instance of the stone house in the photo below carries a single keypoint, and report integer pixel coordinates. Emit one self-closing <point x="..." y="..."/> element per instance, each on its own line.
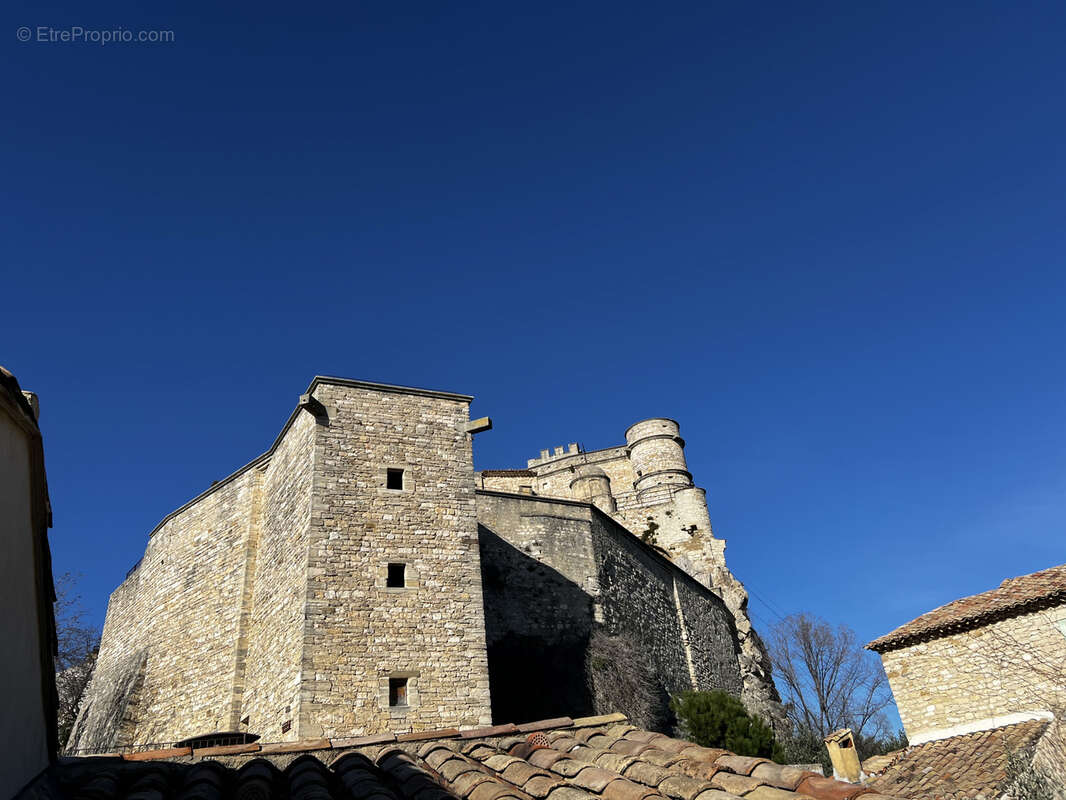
<point x="975" y="681"/>
<point x="359" y="577"/>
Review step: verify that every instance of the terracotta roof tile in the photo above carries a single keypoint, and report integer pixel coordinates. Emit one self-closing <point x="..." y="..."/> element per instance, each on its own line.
<point x="681" y="787"/>
<point x="698" y="769"/>
<point x="962" y="766"/>
<point x="568" y="793"/>
<point x="829" y="789"/>
<point x="770" y="793"/>
<point x="779" y="775"/>
<point x="521" y="772"/>
<point x="599" y="758"/>
<point x="544" y="725"/>
<point x="737" y="784"/>
<point x="496" y="730"/>
<point x="602" y="719"/>
<point x="741" y="765"/>
<point x="621" y="789"/>
<point x="594" y="779"/>
<point x="1013" y="596"/>
<point x="717" y="794"/>
<point x="615" y="761"/>
<point x="226" y="750"/>
<point x="568" y="767"/>
<point x="545" y="758"/>
<point x="649" y="774"/>
<point x="540" y="786"/>
<point x="296" y="747"/>
<point x="418" y="736"/>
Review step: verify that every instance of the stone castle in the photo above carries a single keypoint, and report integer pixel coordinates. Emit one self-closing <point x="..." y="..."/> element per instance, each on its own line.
<point x="360" y="577"/>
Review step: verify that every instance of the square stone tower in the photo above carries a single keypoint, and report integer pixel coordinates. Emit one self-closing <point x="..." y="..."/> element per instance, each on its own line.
<point x="394" y="627"/>
<point x="330" y="587"/>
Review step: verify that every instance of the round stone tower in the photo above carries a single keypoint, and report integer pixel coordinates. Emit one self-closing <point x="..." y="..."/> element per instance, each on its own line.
<point x="592" y="484"/>
<point x="677" y="506"/>
<point x="657" y="453"/>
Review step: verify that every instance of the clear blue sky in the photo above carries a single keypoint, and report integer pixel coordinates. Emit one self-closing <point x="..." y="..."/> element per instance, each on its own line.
<point x="828" y="239"/>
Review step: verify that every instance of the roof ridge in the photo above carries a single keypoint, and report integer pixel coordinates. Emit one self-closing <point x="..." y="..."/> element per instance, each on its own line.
<point x="1011" y="597"/>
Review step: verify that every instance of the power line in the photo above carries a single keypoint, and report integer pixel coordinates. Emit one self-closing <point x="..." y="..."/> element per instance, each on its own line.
<point x="765" y="602"/>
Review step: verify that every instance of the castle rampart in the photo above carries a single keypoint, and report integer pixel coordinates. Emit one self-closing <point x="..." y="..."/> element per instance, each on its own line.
<point x="341" y="584"/>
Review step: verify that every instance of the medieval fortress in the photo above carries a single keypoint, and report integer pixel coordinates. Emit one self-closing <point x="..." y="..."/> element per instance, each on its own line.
<point x="360" y="577"/>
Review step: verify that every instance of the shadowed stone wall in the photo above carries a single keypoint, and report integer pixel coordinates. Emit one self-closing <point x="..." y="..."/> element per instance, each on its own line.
<point x="555" y="571"/>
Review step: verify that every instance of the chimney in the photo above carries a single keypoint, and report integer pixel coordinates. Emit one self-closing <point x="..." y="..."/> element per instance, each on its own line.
<point x="841" y="747"/>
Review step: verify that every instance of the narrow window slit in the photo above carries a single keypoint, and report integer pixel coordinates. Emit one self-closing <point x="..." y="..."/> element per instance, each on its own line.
<point x="397" y="691"/>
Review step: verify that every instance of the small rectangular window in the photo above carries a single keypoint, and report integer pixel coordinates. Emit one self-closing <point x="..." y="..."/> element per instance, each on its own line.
<point x="397" y="691"/>
<point x="394" y="479"/>
<point x="396" y="577"/>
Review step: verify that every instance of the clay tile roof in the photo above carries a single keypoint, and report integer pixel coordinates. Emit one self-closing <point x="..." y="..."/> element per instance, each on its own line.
<point x="1013" y="596"/>
<point x="508" y="473"/>
<point x="592" y="758"/>
<point x="971" y="765"/>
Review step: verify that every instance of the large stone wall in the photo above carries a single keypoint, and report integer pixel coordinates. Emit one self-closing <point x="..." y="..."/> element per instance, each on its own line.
<point x="166" y="663"/>
<point x="980" y="676"/>
<point x="557" y="570"/>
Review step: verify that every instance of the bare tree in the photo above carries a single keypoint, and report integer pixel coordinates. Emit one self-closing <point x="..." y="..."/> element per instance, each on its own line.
<point x="621" y="678"/>
<point x="827" y="680"/>
<point x="78" y="644"/>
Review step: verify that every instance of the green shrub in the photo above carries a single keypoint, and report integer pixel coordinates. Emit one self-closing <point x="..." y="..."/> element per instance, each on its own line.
<point x="717" y="719"/>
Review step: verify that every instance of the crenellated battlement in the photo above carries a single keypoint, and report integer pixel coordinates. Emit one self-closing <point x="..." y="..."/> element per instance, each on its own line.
<point x="547" y="456"/>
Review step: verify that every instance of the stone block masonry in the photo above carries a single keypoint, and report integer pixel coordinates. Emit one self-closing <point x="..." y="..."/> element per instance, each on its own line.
<point x="646" y="487"/>
<point x="555" y="571"/>
<point x="991" y="674"/>
<point x="361" y="632"/>
<point x="261" y="605"/>
<point x="341" y="585"/>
